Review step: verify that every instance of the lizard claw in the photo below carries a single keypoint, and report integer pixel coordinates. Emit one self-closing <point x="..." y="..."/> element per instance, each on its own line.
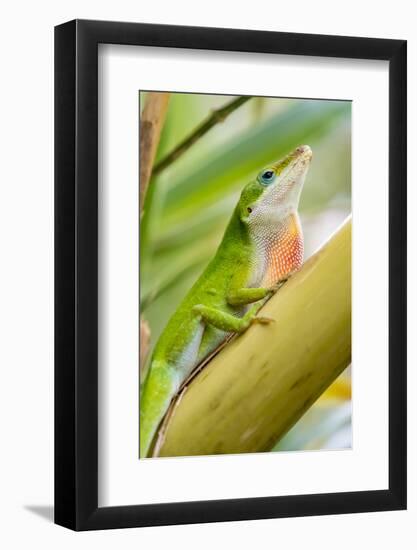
<point x="281" y="282"/>
<point x="262" y="320"/>
<point x="277" y="285"/>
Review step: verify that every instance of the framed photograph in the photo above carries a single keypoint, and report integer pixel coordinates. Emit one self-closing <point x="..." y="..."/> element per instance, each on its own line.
<point x="230" y="285"/>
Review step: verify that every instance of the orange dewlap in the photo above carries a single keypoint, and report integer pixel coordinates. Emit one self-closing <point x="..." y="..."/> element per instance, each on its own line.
<point x="284" y="251"/>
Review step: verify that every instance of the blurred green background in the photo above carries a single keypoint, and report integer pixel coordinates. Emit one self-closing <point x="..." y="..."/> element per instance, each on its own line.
<point x="188" y="206"/>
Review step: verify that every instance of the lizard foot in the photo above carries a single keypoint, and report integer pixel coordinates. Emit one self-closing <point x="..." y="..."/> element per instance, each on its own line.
<point x="276" y="286"/>
<point x="262" y="321"/>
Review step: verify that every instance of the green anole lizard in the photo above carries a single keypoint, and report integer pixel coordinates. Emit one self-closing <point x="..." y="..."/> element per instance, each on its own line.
<point x="261" y="247"/>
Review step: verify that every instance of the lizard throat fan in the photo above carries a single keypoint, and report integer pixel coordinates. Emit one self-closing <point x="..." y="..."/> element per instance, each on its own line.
<point x="283" y="250"/>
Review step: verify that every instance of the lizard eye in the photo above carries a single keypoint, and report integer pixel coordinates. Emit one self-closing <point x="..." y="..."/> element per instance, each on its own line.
<point x="267" y="176"/>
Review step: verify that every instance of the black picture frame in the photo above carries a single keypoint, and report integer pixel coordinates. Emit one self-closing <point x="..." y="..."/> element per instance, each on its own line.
<point x="76" y="272"/>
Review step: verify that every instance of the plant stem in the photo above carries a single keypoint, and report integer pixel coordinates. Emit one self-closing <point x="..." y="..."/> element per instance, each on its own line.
<point x="219" y="115"/>
<point x="144" y="340"/>
<point x="151" y="124"/>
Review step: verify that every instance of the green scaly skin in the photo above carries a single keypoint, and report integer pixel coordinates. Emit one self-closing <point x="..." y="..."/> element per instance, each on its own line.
<point x="262" y="246"/>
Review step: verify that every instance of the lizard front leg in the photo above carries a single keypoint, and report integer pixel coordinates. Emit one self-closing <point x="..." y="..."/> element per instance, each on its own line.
<point x="244" y="296"/>
<point x="228" y="322"/>
<point x="247" y="295"/>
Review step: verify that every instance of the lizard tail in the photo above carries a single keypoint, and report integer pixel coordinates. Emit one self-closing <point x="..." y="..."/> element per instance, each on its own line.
<point x="160" y="386"/>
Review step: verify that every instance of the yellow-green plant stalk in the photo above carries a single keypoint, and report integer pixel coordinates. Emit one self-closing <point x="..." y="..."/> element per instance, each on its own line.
<point x="259" y="385"/>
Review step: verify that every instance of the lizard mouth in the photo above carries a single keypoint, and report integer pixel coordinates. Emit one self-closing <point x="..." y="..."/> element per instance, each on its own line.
<point x="296" y="161"/>
<point x="304" y="151"/>
<point x="300" y="156"/>
<point x="293" y="176"/>
<point x="302" y="159"/>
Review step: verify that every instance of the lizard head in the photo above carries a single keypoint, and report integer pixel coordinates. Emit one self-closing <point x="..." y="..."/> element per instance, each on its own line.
<point x="268" y="207"/>
<point x="275" y="193"/>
